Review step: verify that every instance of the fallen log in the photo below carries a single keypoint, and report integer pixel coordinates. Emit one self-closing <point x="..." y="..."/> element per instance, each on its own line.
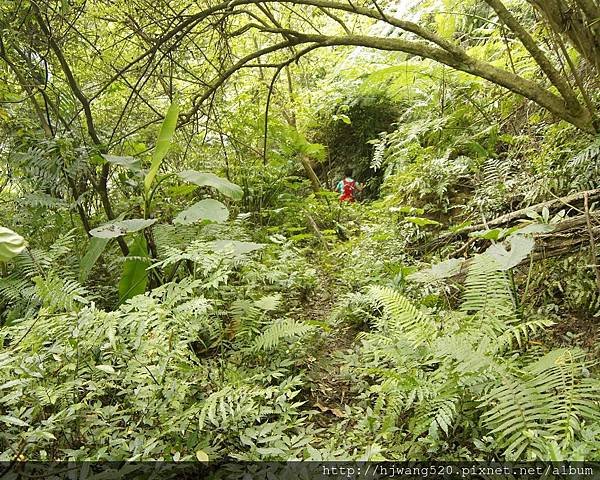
<point x="567" y="243"/>
<point x="569" y="237"/>
<point x="573" y="202"/>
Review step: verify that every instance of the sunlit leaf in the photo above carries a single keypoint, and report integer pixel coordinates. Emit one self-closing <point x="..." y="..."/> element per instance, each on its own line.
<point x="445" y="269"/>
<point x="95" y="249"/>
<point x="535" y="228"/>
<point x="205" y="179"/>
<point x="202" y="456"/>
<point x="106" y="368"/>
<point x="130" y="163"/>
<point x="11" y="244"/>
<point x="163" y="143"/>
<point x="207" y="209"/>
<point x="13" y="421"/>
<point x="421" y="221"/>
<point x="134" y="278"/>
<point x="493" y="234"/>
<point x="520" y="248"/>
<point x="407" y="209"/>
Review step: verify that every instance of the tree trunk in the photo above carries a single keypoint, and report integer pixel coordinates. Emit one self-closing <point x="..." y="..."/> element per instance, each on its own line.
<point x="312" y="176"/>
<point x="580" y="25"/>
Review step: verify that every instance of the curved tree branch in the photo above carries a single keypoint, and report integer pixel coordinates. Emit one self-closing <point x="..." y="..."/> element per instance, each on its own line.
<point x="538" y="55"/>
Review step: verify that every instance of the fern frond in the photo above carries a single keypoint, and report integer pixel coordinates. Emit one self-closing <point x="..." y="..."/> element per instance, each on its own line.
<point x="59" y="294"/>
<point x="279" y="331"/>
<point x="516" y="415"/>
<point x="487" y="291"/>
<point x="550" y="401"/>
<point x="586" y="156"/>
<point x="443" y="412"/>
<point x="235" y="406"/>
<point x="570" y="397"/>
<point x="495" y="171"/>
<point x="379" y="152"/>
<point x="585" y="167"/>
<point x="521" y="332"/>
<point x="14" y="288"/>
<point x="401" y="318"/>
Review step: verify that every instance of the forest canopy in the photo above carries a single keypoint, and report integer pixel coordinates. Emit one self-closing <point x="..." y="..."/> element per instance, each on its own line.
<point x="299" y="230"/>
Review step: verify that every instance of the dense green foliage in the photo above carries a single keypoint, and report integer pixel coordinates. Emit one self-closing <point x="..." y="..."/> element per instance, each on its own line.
<point x="179" y="282"/>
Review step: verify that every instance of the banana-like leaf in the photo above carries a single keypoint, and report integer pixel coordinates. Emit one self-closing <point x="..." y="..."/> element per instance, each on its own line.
<point x="163" y="143"/>
<point x="204" y="179"/>
<point x="95" y="249"/>
<point x="207" y="209"/>
<point x="122" y="227"/>
<point x="130" y="163"/>
<point x="11" y="244"/>
<point x="134" y="278"/>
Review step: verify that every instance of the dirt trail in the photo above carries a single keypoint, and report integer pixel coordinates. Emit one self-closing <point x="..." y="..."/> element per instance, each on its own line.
<point x="327" y="390"/>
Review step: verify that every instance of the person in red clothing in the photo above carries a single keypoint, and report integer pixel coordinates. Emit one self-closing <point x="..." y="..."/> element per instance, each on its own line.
<point x="347" y="187"/>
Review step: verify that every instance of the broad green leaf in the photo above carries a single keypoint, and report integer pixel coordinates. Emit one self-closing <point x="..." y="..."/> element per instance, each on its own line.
<point x="421" y="221"/>
<point x="314" y="150"/>
<point x="42" y="435"/>
<point x="95" y="249"/>
<point x="343" y="118"/>
<point x="131" y="163"/>
<point x="13" y="421"/>
<point x="11" y="244"/>
<point x="135" y="276"/>
<point x="493" y="234"/>
<point x="238" y="248"/>
<point x="122" y="227"/>
<point x="442" y="270"/>
<point x="163" y="143"/>
<point x="535" y="228"/>
<point x="300" y="144"/>
<point x="520" y="247"/>
<point x="203" y="179"/>
<point x="106" y="368"/>
<point x="207" y="209"/>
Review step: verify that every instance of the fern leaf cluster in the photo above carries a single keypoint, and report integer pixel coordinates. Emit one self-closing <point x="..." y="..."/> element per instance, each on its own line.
<point x="44" y="278"/>
<point x="467" y="371"/>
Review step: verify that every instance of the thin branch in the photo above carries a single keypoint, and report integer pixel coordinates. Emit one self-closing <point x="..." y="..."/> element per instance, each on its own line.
<point x="537" y="54"/>
<point x="199" y="99"/>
